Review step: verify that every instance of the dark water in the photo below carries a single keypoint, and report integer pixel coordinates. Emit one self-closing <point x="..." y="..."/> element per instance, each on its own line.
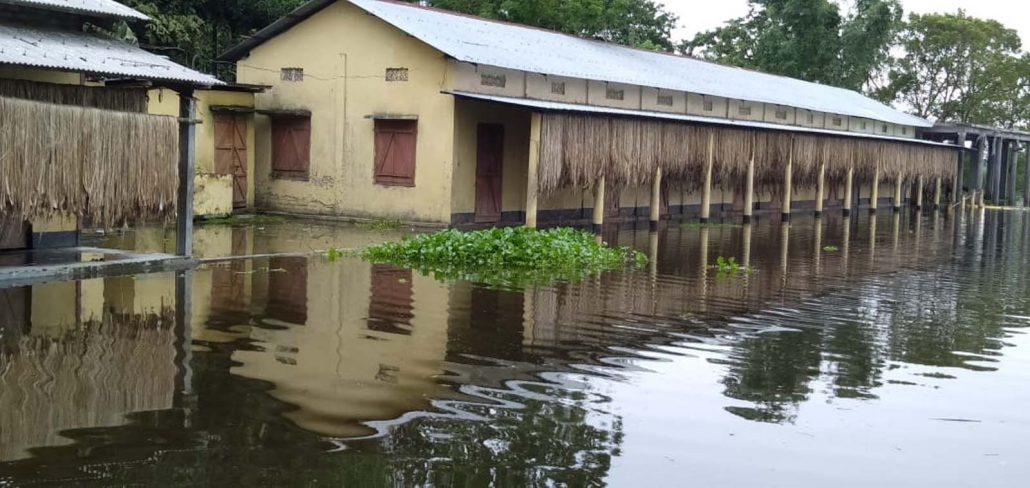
<point x="898" y="359"/>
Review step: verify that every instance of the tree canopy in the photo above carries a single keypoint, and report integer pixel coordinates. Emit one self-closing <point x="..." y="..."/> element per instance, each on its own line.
<point x="638" y="23"/>
<point x="807" y="39"/>
<point x="959" y="68"/>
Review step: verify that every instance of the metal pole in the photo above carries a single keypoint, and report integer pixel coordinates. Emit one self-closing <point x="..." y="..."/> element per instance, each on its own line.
<point x="187" y="167"/>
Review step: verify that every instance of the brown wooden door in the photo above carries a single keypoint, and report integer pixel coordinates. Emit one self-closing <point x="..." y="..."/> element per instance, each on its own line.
<point x="14" y="233"/>
<point x="231" y="154"/>
<point x="489" y="163"/>
<point x="612" y="195"/>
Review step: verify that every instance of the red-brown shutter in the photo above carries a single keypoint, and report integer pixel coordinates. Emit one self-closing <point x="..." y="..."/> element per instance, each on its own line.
<point x="395" y="153"/>
<point x="291" y="146"/>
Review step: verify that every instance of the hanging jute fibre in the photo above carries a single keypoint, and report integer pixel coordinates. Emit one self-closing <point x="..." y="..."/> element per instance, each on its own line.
<point x="576" y="150"/>
<point x="105" y="166"/>
<point x="120" y="99"/>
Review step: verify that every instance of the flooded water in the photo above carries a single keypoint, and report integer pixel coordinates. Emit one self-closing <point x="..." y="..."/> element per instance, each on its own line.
<point x="886" y="352"/>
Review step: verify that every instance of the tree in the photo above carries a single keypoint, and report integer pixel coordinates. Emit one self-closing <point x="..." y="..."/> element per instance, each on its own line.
<point x="961" y="69"/>
<point x="806" y="39"/>
<point x="638" y="23"/>
<point x="195" y="32"/>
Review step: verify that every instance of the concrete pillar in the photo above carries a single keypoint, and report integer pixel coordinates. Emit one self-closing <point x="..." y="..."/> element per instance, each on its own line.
<point x="598" y="218"/>
<point x="957" y="182"/>
<point x="706" y="188"/>
<point x="976" y="164"/>
<point x="745" y="260"/>
<point x="1013" y="157"/>
<point x="919" y="192"/>
<point x="897" y="192"/>
<point x="787" y="180"/>
<point x="875" y="193"/>
<point x="532" y="188"/>
<point x="187" y="167"/>
<point x="749" y="190"/>
<point x="656" y="199"/>
<point x="1026" y="186"/>
<point x="848" y="183"/>
<point x="937" y="194"/>
<point x="820" y="190"/>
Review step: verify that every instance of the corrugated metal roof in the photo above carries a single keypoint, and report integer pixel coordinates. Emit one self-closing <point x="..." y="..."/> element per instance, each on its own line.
<point x="510" y="46"/>
<point x="88" y="53"/>
<point x="571" y="107"/>
<point x="96" y="8"/>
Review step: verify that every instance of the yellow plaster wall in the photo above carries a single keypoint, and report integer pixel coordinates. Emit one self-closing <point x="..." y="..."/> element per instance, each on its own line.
<point x="344" y="53"/>
<point x="212" y="194"/>
<point x="539" y="86"/>
<point x="650" y="101"/>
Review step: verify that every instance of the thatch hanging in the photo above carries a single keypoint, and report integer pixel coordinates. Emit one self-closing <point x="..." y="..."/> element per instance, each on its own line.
<point x="108" y="167"/>
<point x="120" y="99"/>
<point x="627" y="151"/>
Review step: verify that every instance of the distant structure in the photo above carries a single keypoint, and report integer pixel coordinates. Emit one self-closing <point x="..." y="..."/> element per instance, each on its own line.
<point x="992" y="168"/>
<point x="381" y="109"/>
<point x="77" y="146"/>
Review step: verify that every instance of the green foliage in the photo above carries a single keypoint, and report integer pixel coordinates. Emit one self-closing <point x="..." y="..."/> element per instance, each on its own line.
<point x="506" y="256"/>
<point x="382" y="224"/>
<point x="830" y="248"/>
<point x="730" y="267"/>
<point x="639" y="23"/>
<point x="963" y="69"/>
<point x="333" y="254"/>
<point x="807" y="39"/>
<point x="195" y="32"/>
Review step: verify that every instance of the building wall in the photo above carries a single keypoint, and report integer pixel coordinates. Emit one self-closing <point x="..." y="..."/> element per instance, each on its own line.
<point x="212" y="193"/>
<point x="344" y="54"/>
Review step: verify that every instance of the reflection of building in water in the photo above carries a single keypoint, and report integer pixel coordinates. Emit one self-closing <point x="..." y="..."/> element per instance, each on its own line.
<point x="345" y="342"/>
<point x="82" y="354"/>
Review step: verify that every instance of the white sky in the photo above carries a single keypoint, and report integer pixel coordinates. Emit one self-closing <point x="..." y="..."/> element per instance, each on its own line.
<point x="701" y="15"/>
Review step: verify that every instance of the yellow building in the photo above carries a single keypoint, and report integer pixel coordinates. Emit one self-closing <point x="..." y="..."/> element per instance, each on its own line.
<point x="382" y="109"/>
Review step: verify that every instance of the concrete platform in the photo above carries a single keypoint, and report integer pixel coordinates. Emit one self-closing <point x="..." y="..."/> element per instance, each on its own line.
<point x="25" y="267"/>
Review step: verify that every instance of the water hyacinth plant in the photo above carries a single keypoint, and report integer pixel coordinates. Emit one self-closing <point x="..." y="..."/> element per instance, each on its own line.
<point x="505" y="256"/>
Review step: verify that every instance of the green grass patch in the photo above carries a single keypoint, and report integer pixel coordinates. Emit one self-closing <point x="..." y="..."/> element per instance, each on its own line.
<point x="710" y="225"/>
<point x="830" y="249"/>
<point x="252" y="219"/>
<point x="507" y="256"/>
<point x="382" y="224"/>
<point x="730" y="267"/>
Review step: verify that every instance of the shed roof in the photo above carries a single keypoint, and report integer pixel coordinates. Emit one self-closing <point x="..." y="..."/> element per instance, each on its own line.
<point x="82" y="52"/>
<point x="93" y="8"/>
<point x="594" y="109"/>
<point x="505" y="45"/>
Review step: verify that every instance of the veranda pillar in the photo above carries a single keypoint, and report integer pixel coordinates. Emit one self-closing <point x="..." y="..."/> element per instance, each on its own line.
<point x="749" y="190"/>
<point x="848" y="183"/>
<point x="706" y="190"/>
<point x="598" y="218"/>
<point x="656" y="199"/>
<point x="874" y="196"/>
<point x="187" y="167"/>
<point x="820" y="190"/>
<point x="532" y="188"/>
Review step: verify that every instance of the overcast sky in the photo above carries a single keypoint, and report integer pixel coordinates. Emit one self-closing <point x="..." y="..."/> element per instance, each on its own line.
<point x="701" y="15"/>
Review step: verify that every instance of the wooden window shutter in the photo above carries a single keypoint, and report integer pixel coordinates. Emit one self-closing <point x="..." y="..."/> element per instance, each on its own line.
<point x="291" y="147"/>
<point x="395" y="152"/>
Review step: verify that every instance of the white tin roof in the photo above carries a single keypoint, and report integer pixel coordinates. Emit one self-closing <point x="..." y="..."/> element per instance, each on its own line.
<point x="87" y="53"/>
<point x="96" y="8"/>
<point x="572" y="107"/>
<point x="480" y="41"/>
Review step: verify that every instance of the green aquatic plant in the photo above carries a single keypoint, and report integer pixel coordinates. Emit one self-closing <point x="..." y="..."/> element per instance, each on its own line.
<point x="830" y="248"/>
<point x="243" y="219"/>
<point x="382" y="224"/>
<point x="729" y="266"/>
<point x="505" y="256"/>
<point x="333" y="254"/>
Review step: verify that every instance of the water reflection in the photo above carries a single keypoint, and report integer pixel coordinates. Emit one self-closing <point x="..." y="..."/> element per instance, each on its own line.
<point x="253" y="371"/>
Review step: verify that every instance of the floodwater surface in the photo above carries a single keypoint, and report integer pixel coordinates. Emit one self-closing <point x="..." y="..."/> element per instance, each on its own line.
<point x="883" y="352"/>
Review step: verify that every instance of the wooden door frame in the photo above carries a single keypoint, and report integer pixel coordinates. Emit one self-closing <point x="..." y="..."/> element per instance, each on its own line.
<point x="479" y="217"/>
